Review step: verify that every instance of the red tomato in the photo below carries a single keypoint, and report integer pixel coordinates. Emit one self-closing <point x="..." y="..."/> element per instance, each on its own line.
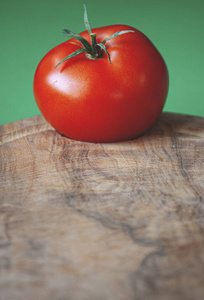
<point x="94" y="101"/>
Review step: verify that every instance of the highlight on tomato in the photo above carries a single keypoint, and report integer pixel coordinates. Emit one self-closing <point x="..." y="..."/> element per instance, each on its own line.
<point x="106" y="84"/>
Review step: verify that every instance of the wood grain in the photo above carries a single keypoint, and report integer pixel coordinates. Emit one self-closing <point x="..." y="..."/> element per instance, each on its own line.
<point x="121" y="221"/>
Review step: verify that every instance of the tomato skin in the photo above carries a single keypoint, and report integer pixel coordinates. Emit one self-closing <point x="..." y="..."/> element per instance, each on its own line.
<point x="95" y="101"/>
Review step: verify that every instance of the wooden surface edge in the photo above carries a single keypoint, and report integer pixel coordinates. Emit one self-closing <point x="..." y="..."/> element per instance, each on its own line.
<point x="12" y="131"/>
<point x="33" y="125"/>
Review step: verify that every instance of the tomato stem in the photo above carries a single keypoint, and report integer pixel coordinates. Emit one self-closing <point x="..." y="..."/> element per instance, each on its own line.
<point x="94" y="50"/>
<point x="93" y="43"/>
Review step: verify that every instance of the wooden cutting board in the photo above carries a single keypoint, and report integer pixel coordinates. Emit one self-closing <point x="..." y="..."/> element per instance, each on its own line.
<point x="120" y="221"/>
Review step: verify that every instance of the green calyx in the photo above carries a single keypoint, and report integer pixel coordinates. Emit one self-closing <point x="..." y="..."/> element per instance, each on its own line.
<point x="94" y="50"/>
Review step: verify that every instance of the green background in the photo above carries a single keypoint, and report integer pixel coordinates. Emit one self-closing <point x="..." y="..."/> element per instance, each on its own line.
<point x="29" y="29"/>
